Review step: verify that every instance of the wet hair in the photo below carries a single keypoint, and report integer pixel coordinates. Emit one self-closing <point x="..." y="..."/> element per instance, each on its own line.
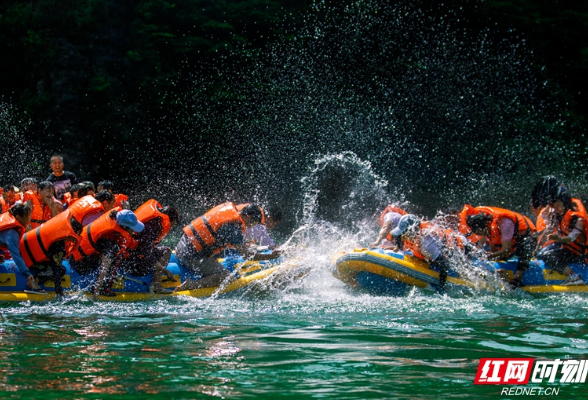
<point x="106" y="185"/>
<point x="172" y="213"/>
<point x="74" y="188"/>
<point x="566" y="199"/>
<point x="44" y="185"/>
<point x="20" y="210"/>
<point x="253" y="211"/>
<point x="56" y="156"/>
<point x="104" y="195"/>
<point x="29" y="180"/>
<point x="83" y="190"/>
<point x="90" y="185"/>
<point x="478" y="221"/>
<point x="274" y="212"/>
<point x="546" y="190"/>
<point x="8" y="188"/>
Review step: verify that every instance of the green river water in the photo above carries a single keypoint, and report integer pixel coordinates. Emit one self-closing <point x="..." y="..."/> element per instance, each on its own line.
<point x="318" y="340"/>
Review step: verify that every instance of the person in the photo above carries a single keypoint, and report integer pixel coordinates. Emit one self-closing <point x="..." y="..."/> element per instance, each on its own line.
<point x="120" y="200"/>
<point x="430" y="243"/>
<point x="8" y="198"/>
<point x="44" y="248"/>
<point x="388" y="220"/>
<point x="149" y="257"/>
<point x="62" y="180"/>
<point x="258" y="235"/>
<point x="207" y="235"/>
<point x="567" y="242"/>
<point x="43" y="204"/>
<point x="104" y="242"/>
<point x="107" y="199"/>
<point x="508" y="233"/>
<point x="13" y="224"/>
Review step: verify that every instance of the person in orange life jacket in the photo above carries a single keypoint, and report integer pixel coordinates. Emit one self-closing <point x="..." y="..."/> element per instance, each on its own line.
<point x="8" y="198"/>
<point x="508" y="233"/>
<point x="62" y="180"/>
<point x="207" y="235"/>
<point x="148" y="257"/>
<point x="567" y="243"/>
<point x="389" y="221"/>
<point x="544" y="193"/>
<point x="107" y="199"/>
<point x="44" y="248"/>
<point x="121" y="200"/>
<point x="12" y="228"/>
<point x="111" y="236"/>
<point x="42" y="203"/>
<point x="429" y="243"/>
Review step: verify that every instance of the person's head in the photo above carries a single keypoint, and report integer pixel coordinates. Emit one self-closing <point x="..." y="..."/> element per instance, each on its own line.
<point x="57" y="165"/>
<point x="28" y="184"/>
<point x="273" y="216"/>
<point x="106" y="198"/>
<point x="172" y="213"/>
<point x="128" y="220"/>
<point x="83" y="190"/>
<point x="563" y="203"/>
<point x="8" y="195"/>
<point x="251" y="215"/>
<point x="105" y="185"/>
<point x="545" y="192"/>
<point x="45" y="191"/>
<point x="74" y="191"/>
<point x="91" y="187"/>
<point x="408" y="226"/>
<point x="479" y="223"/>
<point x="22" y="213"/>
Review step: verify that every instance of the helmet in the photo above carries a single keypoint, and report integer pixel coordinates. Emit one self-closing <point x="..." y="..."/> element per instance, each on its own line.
<point x="407" y="223"/>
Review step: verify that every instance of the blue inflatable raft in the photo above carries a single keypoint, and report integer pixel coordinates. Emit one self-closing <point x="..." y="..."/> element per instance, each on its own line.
<point x="396" y="273"/>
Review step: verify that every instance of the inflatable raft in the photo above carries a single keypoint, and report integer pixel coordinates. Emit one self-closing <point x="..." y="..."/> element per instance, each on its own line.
<point x="386" y="272"/>
<point x="133" y="288"/>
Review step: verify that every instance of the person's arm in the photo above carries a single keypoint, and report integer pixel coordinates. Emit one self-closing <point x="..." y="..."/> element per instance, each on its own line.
<point x="387" y="227"/>
<point x="105" y="264"/>
<point x="12" y="240"/>
<point x="54" y="206"/>
<point x="573" y="235"/>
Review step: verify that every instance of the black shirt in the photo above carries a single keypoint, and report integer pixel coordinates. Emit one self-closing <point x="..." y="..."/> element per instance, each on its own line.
<point x="63" y="183"/>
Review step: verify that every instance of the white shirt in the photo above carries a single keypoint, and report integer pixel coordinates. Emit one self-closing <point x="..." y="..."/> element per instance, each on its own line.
<point x="259" y="235"/>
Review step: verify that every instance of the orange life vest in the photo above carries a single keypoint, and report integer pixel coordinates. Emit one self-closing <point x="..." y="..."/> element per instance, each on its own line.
<point x="463" y="226"/>
<point x="566" y="226"/>
<point x="34" y="245"/>
<point x="41" y="212"/>
<point x="202" y="231"/>
<point x="104" y="227"/>
<point x="242" y="206"/>
<point x="150" y="210"/>
<point x="85" y="206"/>
<point x="118" y="200"/>
<point x="7" y="221"/>
<point x="523" y="225"/>
<point x="5" y="206"/>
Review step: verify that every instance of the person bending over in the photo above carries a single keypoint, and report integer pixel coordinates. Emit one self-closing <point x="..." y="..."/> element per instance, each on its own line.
<point x="207" y="235"/>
